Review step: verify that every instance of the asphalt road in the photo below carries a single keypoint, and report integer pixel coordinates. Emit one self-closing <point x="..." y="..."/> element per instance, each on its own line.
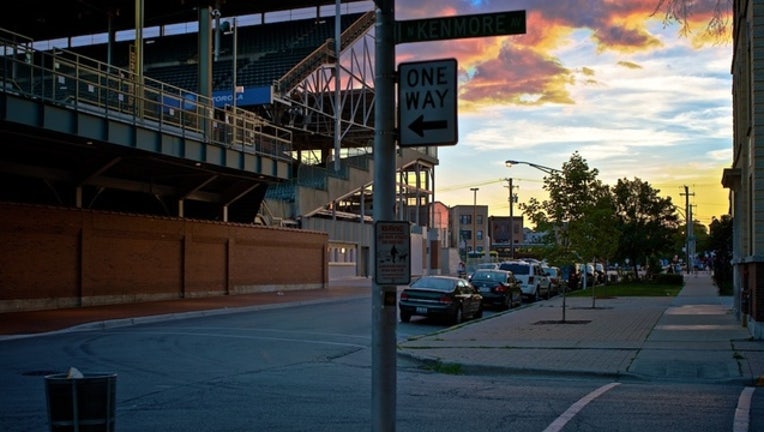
<point x="308" y="369"/>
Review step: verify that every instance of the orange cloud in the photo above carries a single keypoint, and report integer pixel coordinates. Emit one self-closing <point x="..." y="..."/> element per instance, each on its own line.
<point x="520" y="76"/>
<point x="523" y="69"/>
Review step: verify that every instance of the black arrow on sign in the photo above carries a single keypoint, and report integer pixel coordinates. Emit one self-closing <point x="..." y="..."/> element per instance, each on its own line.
<point x="420" y="125"/>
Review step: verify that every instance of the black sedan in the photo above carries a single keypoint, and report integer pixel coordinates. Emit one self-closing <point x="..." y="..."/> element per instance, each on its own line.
<point x="441" y="296"/>
<point x="499" y="288"/>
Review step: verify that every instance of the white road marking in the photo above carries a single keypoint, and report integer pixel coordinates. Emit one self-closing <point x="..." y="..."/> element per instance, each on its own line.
<point x="743" y="410"/>
<point x="574" y="409"/>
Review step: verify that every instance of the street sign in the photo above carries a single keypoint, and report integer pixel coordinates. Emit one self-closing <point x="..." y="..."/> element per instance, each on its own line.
<point x="460" y="27"/>
<point x="392" y="258"/>
<point x="427" y="103"/>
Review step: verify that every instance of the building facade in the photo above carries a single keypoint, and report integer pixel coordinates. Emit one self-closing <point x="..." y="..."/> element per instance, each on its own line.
<point x="505" y="235"/>
<point x="469" y="228"/>
<point x="745" y="178"/>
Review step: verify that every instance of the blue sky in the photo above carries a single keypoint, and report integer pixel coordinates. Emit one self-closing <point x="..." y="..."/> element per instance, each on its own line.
<point x="635" y="97"/>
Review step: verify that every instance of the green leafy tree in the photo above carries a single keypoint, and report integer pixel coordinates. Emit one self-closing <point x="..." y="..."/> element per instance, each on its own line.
<point x="578" y="217"/>
<point x="680" y="240"/>
<point x="646" y="221"/>
<point x="720" y="242"/>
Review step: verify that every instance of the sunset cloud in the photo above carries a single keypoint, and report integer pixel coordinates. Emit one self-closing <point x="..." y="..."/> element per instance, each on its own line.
<point x="632" y="92"/>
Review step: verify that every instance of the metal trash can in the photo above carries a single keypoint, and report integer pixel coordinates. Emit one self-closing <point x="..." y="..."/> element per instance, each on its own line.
<point x="85" y="404"/>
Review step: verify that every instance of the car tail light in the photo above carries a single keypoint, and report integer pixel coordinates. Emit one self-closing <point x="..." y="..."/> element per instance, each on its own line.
<point x="445" y="299"/>
<point x="404" y="296"/>
<point x="500" y="289"/>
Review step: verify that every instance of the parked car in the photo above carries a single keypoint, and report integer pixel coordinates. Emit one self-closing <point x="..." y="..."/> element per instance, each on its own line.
<point x="533" y="281"/>
<point x="481" y="266"/>
<point x="440" y="296"/>
<point x="588" y="273"/>
<point x="499" y="288"/>
<point x="555" y="279"/>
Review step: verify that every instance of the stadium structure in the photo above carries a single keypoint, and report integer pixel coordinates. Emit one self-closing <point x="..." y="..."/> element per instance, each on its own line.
<point x="265" y="117"/>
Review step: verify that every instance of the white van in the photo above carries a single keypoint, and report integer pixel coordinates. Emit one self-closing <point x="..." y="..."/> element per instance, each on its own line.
<point x="533" y="280"/>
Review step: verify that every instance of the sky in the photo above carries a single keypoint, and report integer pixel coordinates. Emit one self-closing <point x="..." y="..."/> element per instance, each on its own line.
<point x="636" y="97"/>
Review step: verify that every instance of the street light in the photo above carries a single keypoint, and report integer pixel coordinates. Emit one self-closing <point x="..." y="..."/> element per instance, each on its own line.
<point x="550" y="171"/>
<point x="543" y="168"/>
<point x="474" y="218"/>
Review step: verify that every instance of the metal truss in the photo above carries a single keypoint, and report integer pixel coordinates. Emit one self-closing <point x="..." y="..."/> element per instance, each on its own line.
<point x="315" y="106"/>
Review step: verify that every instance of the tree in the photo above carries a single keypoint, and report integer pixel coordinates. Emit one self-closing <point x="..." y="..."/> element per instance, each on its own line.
<point x="720" y="242"/>
<point x="700" y="232"/>
<point x="680" y="11"/>
<point x="647" y="222"/>
<point x="578" y="216"/>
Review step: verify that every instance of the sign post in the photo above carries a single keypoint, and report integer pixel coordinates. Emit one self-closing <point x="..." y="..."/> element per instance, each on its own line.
<point x="430" y="118"/>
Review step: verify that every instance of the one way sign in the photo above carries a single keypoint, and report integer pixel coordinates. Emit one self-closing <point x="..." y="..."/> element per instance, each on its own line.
<point x="427" y="103"/>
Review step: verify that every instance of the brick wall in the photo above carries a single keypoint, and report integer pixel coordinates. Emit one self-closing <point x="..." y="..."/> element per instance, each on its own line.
<point x="57" y="257"/>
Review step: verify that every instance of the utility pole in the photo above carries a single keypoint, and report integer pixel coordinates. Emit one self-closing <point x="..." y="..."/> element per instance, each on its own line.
<point x="688" y="230"/>
<point x="474" y="219"/>
<point x="512" y="198"/>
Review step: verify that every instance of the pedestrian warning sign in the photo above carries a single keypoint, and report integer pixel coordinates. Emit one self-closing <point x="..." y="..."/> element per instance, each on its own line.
<point x="392" y="244"/>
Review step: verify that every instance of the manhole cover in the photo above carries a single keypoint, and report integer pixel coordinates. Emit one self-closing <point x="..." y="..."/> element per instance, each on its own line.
<point x="562" y="322"/>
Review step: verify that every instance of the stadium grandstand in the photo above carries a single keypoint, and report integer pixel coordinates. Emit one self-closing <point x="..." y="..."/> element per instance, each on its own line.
<point x="266" y="119"/>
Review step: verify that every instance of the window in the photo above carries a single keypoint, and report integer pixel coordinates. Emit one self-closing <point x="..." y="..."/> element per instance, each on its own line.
<point x="479" y="234"/>
<point x="465" y="219"/>
<point x="479" y="219"/>
<point x="342" y="254"/>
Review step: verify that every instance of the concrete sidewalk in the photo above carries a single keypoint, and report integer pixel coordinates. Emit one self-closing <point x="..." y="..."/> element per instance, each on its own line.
<point x="691" y="337"/>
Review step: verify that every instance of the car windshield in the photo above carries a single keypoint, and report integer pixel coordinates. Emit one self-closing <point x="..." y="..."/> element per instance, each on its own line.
<point x="440" y="284"/>
<point x="481" y="276"/>
<point x="518" y="269"/>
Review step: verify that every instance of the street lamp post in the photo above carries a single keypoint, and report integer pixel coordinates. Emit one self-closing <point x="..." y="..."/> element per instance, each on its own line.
<point x="550" y="171"/>
<point x="474" y="218"/>
<point x="543" y="168"/>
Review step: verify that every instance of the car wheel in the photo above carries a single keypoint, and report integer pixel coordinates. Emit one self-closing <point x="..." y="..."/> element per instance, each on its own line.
<point x="458" y="316"/>
<point x="405" y="317"/>
<point x="507" y="302"/>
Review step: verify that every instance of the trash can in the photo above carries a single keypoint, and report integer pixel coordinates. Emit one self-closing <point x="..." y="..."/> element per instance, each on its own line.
<point x="85" y="404"/>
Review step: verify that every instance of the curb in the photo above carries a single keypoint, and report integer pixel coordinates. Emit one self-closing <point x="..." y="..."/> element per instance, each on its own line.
<point x="149" y="319"/>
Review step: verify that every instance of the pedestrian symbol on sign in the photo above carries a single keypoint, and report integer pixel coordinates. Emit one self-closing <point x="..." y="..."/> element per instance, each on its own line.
<point x="392" y="263"/>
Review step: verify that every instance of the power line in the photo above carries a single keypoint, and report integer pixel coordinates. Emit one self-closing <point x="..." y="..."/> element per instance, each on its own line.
<point x="480" y="183"/>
